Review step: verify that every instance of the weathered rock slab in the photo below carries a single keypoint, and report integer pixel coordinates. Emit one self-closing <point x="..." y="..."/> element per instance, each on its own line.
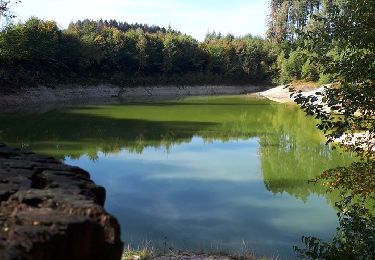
<point x="50" y="210"/>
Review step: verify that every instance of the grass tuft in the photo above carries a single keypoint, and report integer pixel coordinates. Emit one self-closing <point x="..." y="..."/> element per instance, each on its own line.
<point x="141" y="253"/>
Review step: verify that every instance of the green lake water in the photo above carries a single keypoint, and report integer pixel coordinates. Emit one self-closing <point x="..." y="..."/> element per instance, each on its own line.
<point x="203" y="173"/>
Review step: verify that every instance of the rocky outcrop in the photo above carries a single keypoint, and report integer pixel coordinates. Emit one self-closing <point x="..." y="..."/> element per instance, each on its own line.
<point x="50" y="210"/>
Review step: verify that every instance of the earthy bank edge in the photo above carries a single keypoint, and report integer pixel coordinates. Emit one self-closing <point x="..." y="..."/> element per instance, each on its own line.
<point x="247" y="255"/>
<point x="50" y="210"/>
<point x="42" y="94"/>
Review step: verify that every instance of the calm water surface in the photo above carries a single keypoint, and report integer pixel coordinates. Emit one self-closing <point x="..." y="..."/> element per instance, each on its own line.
<point x="212" y="173"/>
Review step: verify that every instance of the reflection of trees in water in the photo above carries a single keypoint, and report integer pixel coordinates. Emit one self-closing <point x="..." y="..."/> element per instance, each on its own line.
<point x="294" y="154"/>
<point x="62" y="133"/>
<point x="289" y="159"/>
<point x="291" y="149"/>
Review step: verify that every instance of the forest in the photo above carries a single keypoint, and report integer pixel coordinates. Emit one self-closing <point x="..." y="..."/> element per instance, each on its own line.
<point x="88" y="51"/>
<point x="297" y="46"/>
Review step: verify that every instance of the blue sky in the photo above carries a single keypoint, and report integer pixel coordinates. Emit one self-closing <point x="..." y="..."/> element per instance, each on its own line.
<point x="194" y="17"/>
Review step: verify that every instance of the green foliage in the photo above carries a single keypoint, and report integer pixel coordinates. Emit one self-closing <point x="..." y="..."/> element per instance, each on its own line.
<point x="181" y="54"/>
<point x="38" y="52"/>
<point x="351" y="61"/>
<point x="354" y="238"/>
<point x="29" y="50"/>
<point x="339" y="39"/>
<point x="257" y="58"/>
<point x="358" y="179"/>
<point x="326" y="78"/>
<point x="288" y="18"/>
<point x="309" y="71"/>
<point x="294" y="67"/>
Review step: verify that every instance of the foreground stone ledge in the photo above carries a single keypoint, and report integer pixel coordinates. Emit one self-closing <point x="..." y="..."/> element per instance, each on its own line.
<point x="50" y="210"/>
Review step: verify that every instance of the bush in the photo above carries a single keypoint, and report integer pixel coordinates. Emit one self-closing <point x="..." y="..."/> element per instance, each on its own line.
<point x="291" y="68"/>
<point x="326" y="78"/>
<point x="309" y="71"/>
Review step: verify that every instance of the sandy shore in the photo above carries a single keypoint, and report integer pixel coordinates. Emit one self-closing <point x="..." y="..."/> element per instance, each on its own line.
<point x="279" y="94"/>
<point x="282" y="94"/>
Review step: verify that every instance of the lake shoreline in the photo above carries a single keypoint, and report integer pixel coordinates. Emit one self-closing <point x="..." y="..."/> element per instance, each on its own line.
<point x="85" y="94"/>
<point x="105" y="93"/>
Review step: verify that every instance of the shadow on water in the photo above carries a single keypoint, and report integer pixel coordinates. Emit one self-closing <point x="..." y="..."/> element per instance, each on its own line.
<point x="112" y="128"/>
<point x="62" y="134"/>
